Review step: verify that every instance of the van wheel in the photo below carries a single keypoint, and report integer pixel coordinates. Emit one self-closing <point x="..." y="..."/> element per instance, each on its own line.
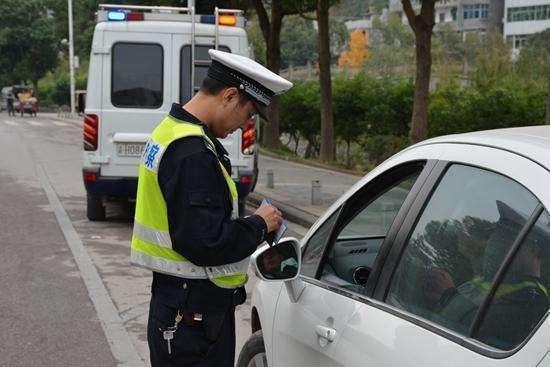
<point x="253" y="352"/>
<point x="95" y="210"/>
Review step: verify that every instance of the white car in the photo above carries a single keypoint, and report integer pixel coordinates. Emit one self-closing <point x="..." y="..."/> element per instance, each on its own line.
<point x="438" y="257"/>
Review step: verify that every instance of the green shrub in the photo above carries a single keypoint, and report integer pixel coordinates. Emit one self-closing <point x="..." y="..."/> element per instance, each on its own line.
<point x="45" y="92"/>
<point x="362" y="105"/>
<point x="300" y="114"/>
<point x="455" y="109"/>
<point x="376" y="113"/>
<point x="380" y="147"/>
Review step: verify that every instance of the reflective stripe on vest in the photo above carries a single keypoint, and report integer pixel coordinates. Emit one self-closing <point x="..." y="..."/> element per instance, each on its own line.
<point x="505" y="289"/>
<point x="151" y="244"/>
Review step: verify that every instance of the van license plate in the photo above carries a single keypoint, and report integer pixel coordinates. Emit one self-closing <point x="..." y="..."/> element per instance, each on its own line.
<point x="129" y="149"/>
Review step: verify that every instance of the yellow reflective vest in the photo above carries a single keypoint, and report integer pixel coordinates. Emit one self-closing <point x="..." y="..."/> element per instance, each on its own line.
<point x="151" y="244"/>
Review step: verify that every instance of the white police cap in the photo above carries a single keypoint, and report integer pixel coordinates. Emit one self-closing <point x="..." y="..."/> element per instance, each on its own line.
<point x="256" y="81"/>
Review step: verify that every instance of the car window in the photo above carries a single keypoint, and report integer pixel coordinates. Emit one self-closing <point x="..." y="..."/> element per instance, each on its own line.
<point x="201" y="68"/>
<point x="137" y="72"/>
<point x="350" y="260"/>
<point x="458" y="243"/>
<point x="315" y="246"/>
<point x="522" y="298"/>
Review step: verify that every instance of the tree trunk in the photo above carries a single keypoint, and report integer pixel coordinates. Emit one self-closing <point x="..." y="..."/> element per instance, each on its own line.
<point x="273" y="51"/>
<point x="419" y="122"/>
<point x="308" y="151"/>
<point x="327" y="125"/>
<point x="35" y="87"/>
<point x="348" y="160"/>
<point x="496" y="13"/>
<point x="547" y="117"/>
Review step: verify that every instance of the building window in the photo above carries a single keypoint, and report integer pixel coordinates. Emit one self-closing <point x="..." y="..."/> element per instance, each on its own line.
<point x="441" y="17"/>
<point x="476" y="11"/>
<point x="527" y="13"/>
<point x="519" y="40"/>
<point x="454" y="14"/>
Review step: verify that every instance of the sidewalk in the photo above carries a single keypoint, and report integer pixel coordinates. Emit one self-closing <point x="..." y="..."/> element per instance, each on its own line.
<point x="292" y="188"/>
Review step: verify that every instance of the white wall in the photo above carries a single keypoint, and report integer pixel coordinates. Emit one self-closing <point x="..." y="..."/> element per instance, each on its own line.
<point x="524" y="27"/>
<point x="518" y="3"/>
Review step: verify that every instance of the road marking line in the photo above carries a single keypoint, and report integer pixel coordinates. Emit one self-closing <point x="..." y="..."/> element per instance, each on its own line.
<point x="73" y="123"/>
<point x="10" y="122"/>
<point x="34" y="123"/>
<point x="118" y="338"/>
<point x="59" y="123"/>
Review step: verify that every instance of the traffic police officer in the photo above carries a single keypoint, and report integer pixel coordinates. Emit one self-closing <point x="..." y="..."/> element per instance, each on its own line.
<point x="186" y="227"/>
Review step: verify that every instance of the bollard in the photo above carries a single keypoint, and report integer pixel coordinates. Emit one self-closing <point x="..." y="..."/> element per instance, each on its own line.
<point x="270" y="182"/>
<point x="316" y="198"/>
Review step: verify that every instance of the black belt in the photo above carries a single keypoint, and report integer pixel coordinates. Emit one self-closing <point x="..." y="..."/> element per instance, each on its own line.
<point x="172" y="285"/>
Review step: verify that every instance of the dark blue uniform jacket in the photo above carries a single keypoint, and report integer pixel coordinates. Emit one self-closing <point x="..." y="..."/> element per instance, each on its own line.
<point x="199" y="218"/>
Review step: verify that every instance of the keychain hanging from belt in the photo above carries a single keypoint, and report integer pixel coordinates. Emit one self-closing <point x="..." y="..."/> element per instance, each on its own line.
<point x="168" y="334"/>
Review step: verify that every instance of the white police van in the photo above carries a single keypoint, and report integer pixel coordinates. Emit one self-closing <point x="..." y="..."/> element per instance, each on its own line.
<point x="144" y="58"/>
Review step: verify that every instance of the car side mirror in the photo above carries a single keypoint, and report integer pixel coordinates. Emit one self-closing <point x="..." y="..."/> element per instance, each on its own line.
<point x="278" y="262"/>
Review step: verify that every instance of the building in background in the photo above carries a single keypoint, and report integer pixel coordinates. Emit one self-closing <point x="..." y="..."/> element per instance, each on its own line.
<point x="514" y="19"/>
<point x="462" y="15"/>
<point x="523" y="18"/>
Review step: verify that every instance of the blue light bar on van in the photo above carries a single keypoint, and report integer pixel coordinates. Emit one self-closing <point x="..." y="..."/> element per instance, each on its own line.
<point x="116" y="15"/>
<point x="208" y="19"/>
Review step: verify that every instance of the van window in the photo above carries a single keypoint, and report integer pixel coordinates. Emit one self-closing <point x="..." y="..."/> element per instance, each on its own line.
<point x="137" y="73"/>
<point x="202" y="59"/>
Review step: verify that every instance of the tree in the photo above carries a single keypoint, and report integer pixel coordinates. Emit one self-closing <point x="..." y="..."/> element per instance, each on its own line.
<point x="338" y="38"/>
<point x="422" y="25"/>
<point x="27" y="45"/>
<point x="327" y="118"/>
<point x="271" y="25"/>
<point x="358" y="53"/>
<point x="534" y="61"/>
<point x="349" y="108"/>
<point x="41" y="56"/>
<point x="300" y="116"/>
<point x="83" y="23"/>
<point x="298" y="41"/>
<point x="392" y="52"/>
<point x="379" y="5"/>
<point x="493" y="61"/>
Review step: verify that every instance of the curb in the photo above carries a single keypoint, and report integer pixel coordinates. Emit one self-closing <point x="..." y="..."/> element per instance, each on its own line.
<point x="310" y="163"/>
<point x="290" y="212"/>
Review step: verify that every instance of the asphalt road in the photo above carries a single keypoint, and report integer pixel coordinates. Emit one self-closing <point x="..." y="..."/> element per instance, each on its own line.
<point x="69" y="295"/>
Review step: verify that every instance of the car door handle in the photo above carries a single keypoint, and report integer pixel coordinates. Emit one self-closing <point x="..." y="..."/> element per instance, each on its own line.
<point x="327" y="333"/>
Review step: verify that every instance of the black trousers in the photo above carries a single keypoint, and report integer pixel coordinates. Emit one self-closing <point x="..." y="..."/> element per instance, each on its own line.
<point x="210" y="342"/>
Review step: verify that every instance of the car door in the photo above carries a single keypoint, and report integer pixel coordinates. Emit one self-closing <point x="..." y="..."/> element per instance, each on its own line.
<point x="446" y="294"/>
<point x="338" y="261"/>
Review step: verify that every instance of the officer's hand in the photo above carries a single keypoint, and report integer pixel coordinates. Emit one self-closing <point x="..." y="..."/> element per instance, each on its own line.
<point x="271" y="215"/>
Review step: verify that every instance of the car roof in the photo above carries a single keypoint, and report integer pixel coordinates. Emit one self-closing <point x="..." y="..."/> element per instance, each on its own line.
<point x="151" y="26"/>
<point x="532" y="142"/>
